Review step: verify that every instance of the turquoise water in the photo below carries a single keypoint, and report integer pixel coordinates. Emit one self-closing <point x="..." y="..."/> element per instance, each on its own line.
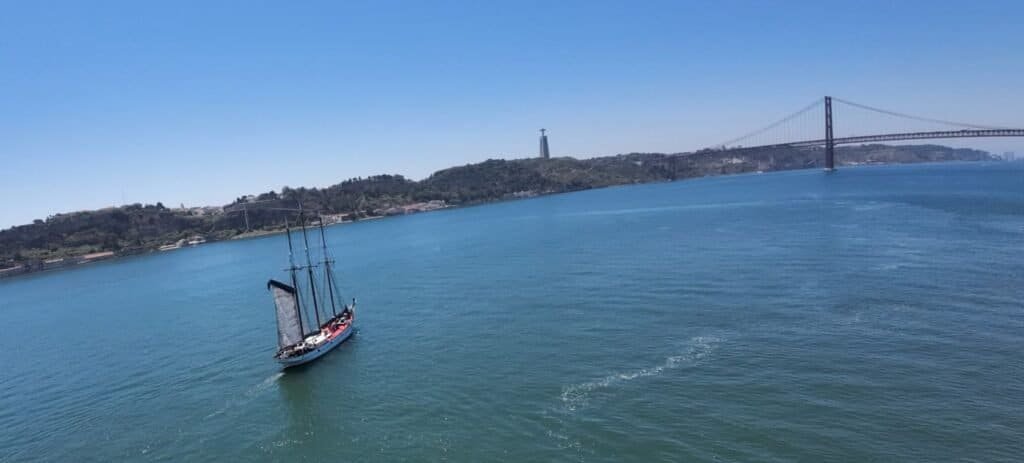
<point x="871" y="315"/>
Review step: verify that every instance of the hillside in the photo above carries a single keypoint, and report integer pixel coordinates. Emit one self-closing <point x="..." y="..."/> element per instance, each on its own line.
<point x="63" y="239"/>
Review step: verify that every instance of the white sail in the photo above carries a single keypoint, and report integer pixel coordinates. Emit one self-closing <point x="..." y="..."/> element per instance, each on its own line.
<point x="289" y="326"/>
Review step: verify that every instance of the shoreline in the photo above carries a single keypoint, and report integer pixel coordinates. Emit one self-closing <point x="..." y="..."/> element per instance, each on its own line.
<point x="278" y="231"/>
<point x="76" y="262"/>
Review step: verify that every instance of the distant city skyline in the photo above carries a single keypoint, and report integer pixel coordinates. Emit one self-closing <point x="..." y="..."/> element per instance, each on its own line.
<point x="199" y="102"/>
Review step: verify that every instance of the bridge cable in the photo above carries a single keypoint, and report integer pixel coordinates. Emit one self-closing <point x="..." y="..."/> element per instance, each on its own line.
<point x="908" y="116"/>
<point x="775" y="124"/>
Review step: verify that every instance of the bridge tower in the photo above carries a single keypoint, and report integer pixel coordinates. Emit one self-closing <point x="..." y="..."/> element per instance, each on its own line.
<point x="829" y="144"/>
<point x="830" y="156"/>
<point x="544" y="152"/>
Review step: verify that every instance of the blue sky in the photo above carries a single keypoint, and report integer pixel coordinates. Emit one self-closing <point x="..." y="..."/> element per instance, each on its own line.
<point x="104" y="103"/>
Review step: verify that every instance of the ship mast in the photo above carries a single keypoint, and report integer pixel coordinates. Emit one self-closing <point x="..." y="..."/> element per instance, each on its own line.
<point x="327" y="268"/>
<point x="291" y="270"/>
<point x="309" y="268"/>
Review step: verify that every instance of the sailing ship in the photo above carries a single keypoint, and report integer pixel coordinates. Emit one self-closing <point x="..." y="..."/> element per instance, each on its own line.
<point x="300" y="338"/>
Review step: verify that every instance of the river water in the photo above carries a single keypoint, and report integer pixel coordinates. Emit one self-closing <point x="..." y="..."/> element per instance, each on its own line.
<point x="874" y="314"/>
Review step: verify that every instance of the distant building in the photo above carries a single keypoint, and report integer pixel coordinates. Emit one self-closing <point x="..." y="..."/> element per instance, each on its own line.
<point x="171" y="247"/>
<point x="1009" y="156"/>
<point x="97" y="256"/>
<point x="412" y="208"/>
<point x="544" y="152"/>
<point x="56" y="263"/>
<point x="11" y="271"/>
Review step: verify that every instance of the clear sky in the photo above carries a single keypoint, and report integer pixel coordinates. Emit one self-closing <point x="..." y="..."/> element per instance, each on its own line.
<point x="104" y="103"/>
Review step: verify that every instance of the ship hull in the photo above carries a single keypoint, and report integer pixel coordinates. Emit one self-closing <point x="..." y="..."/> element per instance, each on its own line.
<point x="334" y="341"/>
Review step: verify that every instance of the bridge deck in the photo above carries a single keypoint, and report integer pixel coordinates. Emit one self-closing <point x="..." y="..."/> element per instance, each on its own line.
<point x="973" y="133"/>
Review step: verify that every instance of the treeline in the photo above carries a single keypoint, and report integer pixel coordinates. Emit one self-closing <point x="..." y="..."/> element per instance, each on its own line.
<point x="117" y="229"/>
<point x="139" y="228"/>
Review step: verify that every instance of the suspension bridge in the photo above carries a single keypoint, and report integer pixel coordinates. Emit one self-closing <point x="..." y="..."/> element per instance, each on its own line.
<point x="804" y="128"/>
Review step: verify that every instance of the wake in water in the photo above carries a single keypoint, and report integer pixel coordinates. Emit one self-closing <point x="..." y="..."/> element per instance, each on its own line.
<point x="249" y="394"/>
<point x="577" y="395"/>
<point x="564" y="422"/>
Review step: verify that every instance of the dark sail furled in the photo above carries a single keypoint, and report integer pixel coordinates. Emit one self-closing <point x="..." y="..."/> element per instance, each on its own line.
<point x="289" y="325"/>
